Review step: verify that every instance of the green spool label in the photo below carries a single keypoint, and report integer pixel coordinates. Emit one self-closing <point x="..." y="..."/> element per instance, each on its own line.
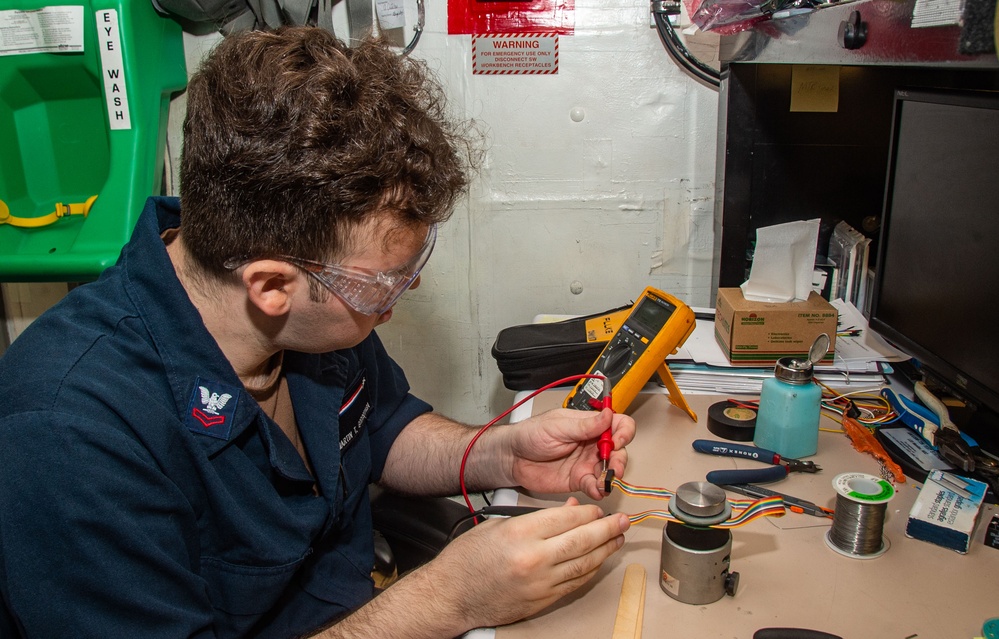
<point x="863" y="488"/>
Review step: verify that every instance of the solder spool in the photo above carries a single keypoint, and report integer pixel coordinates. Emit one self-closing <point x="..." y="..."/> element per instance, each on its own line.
<point x="858" y="523"/>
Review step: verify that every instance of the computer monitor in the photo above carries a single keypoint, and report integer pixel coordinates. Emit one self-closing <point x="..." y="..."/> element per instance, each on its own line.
<point x="936" y="293"/>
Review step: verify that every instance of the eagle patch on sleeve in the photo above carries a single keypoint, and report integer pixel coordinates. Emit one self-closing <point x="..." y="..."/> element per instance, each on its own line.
<point x="211" y="409"/>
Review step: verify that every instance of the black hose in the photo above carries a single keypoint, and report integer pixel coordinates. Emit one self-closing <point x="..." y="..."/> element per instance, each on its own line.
<point x="683" y="57"/>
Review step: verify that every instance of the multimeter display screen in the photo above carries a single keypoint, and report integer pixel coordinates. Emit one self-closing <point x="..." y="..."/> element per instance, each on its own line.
<point x="652" y="315"/>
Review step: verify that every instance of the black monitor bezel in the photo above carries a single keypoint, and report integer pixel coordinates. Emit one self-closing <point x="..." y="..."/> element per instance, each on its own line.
<point x="933" y="364"/>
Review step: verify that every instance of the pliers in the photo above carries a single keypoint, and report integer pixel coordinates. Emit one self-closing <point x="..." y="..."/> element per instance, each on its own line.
<point x="782" y="466"/>
<point x="933" y="423"/>
<point x="934" y="426"/>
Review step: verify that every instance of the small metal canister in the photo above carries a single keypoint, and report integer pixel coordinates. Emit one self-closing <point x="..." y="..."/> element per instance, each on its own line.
<point x="694" y="567"/>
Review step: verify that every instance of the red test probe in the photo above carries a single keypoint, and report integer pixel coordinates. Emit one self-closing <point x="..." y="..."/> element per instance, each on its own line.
<point x="605" y="445"/>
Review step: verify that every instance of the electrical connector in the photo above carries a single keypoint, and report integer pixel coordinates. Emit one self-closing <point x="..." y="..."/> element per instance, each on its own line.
<point x="606" y="480"/>
<point x="851" y="410"/>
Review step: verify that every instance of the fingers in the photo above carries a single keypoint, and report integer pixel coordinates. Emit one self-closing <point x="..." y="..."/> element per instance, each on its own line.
<point x="589" y="485"/>
<point x="595" y="423"/>
<point x="618" y="461"/>
<point x="622" y="426"/>
<point x="575" y="530"/>
<point x="511" y="568"/>
<point x="580" y="552"/>
<point x="577" y="425"/>
<point x="623" y="430"/>
<point x="549" y="523"/>
<point x="574" y="573"/>
<point x="558" y="453"/>
<point x="574" y="541"/>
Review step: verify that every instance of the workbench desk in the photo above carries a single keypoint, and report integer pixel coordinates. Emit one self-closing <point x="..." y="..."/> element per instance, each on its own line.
<point x="789" y="577"/>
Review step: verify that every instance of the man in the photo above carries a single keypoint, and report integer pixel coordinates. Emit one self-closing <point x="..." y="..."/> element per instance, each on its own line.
<point x="186" y="444"/>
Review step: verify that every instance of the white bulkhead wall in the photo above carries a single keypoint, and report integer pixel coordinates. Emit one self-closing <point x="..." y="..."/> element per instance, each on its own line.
<point x="567" y="216"/>
<point x="598" y="181"/>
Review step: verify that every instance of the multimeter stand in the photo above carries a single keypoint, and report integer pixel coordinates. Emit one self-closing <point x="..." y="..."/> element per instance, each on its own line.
<point x="673" y="391"/>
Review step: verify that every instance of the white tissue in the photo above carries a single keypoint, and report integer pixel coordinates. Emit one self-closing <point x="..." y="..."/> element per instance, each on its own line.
<point x="783" y="262"/>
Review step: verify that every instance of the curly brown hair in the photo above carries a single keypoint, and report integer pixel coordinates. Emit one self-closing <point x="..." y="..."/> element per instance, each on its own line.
<point x="292" y="139"/>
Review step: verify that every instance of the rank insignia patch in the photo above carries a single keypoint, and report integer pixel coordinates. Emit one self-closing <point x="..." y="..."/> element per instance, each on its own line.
<point x="211" y="409"/>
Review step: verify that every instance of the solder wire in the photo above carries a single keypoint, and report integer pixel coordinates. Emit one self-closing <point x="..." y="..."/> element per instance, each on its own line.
<point x="857" y="527"/>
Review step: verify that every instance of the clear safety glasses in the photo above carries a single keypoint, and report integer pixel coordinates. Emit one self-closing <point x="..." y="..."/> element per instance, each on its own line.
<point x="366" y="291"/>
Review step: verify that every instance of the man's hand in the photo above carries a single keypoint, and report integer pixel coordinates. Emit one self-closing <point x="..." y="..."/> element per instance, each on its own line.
<point x="499" y="572"/>
<point x="516" y="567"/>
<point x="556" y="452"/>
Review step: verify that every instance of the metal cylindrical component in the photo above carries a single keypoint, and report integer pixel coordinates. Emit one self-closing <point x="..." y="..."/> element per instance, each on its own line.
<point x="695" y="557"/>
<point x="694" y="567"/>
<point x="699" y="499"/>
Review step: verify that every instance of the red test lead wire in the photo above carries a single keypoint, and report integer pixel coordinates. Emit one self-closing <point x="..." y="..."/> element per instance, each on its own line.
<point x="606" y="402"/>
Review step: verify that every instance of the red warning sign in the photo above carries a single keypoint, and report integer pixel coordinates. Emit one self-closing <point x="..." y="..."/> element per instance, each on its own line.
<point x="515" y="54"/>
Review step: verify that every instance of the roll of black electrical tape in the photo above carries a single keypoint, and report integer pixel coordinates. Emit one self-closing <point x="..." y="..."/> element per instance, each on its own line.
<point x="732" y="422"/>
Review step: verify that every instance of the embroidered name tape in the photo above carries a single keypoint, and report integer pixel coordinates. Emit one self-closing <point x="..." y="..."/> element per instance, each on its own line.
<point x="211" y="409"/>
<point x="354" y="412"/>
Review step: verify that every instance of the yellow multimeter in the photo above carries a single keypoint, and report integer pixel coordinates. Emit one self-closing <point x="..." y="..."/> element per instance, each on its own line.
<point x="657" y="326"/>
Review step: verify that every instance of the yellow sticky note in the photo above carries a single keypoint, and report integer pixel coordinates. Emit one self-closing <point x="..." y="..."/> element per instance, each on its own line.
<point x="814" y="88"/>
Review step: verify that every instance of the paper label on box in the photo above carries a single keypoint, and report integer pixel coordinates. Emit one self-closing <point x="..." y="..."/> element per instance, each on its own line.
<point x="946" y="507"/>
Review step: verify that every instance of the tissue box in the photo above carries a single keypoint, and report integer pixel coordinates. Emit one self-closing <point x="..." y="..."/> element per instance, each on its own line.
<point x="943" y="517"/>
<point x="760" y="333"/>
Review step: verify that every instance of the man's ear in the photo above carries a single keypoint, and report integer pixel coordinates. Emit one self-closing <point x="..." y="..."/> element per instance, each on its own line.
<point x="271" y="284"/>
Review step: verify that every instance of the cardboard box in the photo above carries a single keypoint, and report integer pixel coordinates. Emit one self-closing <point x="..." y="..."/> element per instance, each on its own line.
<point x="944" y="516"/>
<point x="760" y="333"/>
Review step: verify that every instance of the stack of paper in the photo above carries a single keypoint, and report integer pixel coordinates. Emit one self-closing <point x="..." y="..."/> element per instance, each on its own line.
<point x="701" y="365"/>
<point x="749" y="381"/>
<point x="857" y="346"/>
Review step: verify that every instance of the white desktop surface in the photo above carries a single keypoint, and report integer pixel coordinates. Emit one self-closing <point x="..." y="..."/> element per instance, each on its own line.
<point x="789" y="577"/>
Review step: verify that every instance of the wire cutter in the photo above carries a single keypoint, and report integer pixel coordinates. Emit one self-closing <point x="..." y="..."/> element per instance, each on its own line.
<point x="782" y="466"/>
<point x="934" y="424"/>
